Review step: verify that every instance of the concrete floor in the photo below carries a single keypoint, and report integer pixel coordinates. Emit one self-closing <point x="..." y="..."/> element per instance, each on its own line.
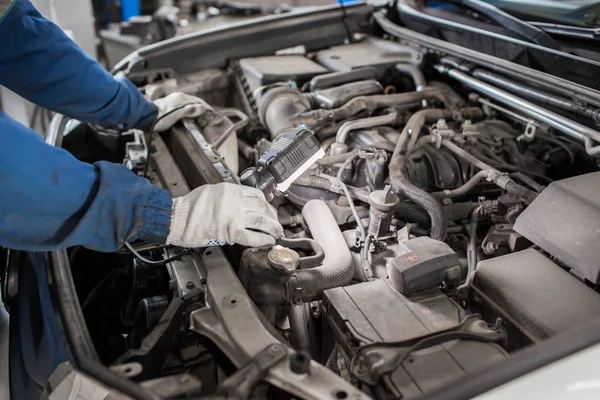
<point x="4" y="394"/>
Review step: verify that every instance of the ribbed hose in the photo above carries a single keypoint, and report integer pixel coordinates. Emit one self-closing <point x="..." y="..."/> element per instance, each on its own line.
<point x="433" y="208"/>
<point x="412" y="213"/>
<point x="397" y="163"/>
<point x="337" y="269"/>
<point x="402" y="185"/>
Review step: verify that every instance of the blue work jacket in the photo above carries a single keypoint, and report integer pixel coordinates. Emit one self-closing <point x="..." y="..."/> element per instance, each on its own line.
<point x="48" y="198"/>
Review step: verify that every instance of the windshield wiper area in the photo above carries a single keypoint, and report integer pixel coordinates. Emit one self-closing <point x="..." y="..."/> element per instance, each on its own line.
<point x="521" y="28"/>
<point x="574" y="32"/>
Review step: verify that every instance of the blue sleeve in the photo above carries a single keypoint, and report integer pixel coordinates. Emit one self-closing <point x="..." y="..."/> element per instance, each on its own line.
<point x="39" y="62"/>
<point x="50" y="200"/>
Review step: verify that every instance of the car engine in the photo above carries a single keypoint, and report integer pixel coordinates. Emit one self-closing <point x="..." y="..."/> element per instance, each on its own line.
<point x="438" y="217"/>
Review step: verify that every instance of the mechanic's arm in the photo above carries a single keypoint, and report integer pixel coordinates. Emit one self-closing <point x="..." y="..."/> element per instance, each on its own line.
<point x="39" y="62"/>
<point x="50" y="200"/>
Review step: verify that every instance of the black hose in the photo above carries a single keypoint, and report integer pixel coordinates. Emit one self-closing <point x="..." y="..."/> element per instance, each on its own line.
<point x="402" y="185"/>
<point x="433" y="208"/>
<point x="397" y="164"/>
<point x="410" y="212"/>
<point x="299" y="334"/>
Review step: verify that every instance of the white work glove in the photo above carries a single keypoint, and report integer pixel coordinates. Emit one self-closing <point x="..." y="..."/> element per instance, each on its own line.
<point x="176" y="106"/>
<point x="225" y="213"/>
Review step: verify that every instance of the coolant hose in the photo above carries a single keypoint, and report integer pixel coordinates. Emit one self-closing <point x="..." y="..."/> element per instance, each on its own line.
<point x="434" y="209"/>
<point x="337" y="269"/>
<point x="299" y="333"/>
<point x="398" y="161"/>
<point x="400" y="182"/>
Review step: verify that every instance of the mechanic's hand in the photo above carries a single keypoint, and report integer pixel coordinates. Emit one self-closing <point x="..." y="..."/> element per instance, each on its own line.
<point x="176" y="106"/>
<point x="225" y="213"/>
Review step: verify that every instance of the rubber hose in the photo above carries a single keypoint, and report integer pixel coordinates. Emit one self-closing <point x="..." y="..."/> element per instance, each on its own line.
<point x="410" y="212"/>
<point x="337" y="268"/>
<point x="521" y="192"/>
<point x="433" y="208"/>
<point x="299" y="335"/>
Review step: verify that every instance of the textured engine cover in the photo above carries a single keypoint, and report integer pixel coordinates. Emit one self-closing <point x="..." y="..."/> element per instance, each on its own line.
<point x="537" y="296"/>
<point x="565" y="221"/>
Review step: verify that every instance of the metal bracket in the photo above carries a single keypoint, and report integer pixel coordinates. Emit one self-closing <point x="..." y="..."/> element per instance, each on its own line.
<point x="135" y="151"/>
<point x="231" y="321"/>
<point x="529" y="133"/>
<point x="373" y="361"/>
<point x="239" y="385"/>
<point x="207" y="148"/>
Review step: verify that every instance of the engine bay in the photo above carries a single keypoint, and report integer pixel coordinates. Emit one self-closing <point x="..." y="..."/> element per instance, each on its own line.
<point x="438" y="217"/>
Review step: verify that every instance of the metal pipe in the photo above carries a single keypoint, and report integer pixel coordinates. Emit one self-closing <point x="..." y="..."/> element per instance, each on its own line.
<point x="565" y="125"/>
<point x="533" y="94"/>
<point x="415" y="74"/>
<point x="499" y="178"/>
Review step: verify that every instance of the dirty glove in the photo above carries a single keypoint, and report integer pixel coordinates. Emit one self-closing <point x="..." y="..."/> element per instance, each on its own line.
<point x="176" y="106"/>
<point x="225" y="213"/>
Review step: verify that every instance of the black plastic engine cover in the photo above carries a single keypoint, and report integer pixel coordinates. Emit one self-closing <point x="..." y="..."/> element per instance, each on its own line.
<point x="373" y="312"/>
<point x="537" y="296"/>
<point x="564" y="220"/>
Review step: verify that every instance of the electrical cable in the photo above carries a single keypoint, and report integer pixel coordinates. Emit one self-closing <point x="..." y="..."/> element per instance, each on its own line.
<point x="154" y="262"/>
<point x="243" y="122"/>
<point x="151" y="131"/>
<point x="471" y="249"/>
<point x="345" y="20"/>
<point x="363" y="233"/>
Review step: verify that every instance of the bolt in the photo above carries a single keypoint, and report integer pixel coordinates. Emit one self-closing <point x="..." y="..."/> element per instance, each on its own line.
<point x="203" y="281"/>
<point x="190" y="285"/>
<point x="491" y="247"/>
<point x="300" y="362"/>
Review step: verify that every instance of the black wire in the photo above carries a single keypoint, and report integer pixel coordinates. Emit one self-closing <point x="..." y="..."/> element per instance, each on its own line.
<point x="154" y="262"/>
<point x="151" y="131"/>
<point x="345" y="20"/>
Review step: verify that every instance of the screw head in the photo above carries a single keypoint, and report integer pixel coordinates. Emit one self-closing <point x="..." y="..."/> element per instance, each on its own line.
<point x="491" y="248"/>
<point x="190" y="285"/>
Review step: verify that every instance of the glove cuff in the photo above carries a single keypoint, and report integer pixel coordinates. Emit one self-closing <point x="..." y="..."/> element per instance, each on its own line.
<point x="157" y="216"/>
<point x="181" y="210"/>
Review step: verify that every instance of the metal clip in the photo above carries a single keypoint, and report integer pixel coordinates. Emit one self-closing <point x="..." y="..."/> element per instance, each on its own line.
<point x="529" y="133"/>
